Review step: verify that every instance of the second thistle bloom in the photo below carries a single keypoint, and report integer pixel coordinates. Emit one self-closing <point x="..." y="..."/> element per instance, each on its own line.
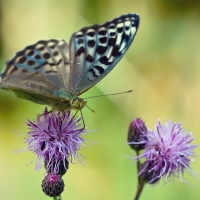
<point x="55" y="138"/>
<point x="166" y="153"/>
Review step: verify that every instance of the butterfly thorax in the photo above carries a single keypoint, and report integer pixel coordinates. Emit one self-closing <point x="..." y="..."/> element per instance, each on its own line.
<point x="69" y="101"/>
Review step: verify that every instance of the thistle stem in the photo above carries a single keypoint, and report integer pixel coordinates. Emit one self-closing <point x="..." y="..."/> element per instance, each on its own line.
<point x="57" y="198"/>
<point x="140" y="182"/>
<point x="139" y="190"/>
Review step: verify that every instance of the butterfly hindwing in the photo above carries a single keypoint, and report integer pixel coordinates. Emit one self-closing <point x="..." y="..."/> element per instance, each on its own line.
<point x="95" y="50"/>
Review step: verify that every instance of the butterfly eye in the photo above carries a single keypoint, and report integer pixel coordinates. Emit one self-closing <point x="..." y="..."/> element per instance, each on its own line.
<point x="78" y="104"/>
<point x="75" y="103"/>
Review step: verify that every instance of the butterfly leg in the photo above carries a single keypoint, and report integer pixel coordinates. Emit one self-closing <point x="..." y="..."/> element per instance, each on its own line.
<point x="60" y="122"/>
<point x="82" y="120"/>
<point x="50" y="111"/>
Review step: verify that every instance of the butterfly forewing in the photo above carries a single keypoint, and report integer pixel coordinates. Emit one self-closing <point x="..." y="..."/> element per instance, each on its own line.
<point x="95" y="50"/>
<point x="42" y="65"/>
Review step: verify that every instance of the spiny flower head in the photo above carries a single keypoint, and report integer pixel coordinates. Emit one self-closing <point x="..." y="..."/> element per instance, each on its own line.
<point x="53" y="185"/>
<point x="166" y="153"/>
<point x="55" y="138"/>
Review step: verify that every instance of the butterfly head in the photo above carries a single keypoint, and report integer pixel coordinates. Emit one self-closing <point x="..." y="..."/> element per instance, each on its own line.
<point x="78" y="103"/>
<point x="74" y="101"/>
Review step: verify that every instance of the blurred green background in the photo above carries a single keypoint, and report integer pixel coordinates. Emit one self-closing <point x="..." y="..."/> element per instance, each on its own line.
<point x="162" y="67"/>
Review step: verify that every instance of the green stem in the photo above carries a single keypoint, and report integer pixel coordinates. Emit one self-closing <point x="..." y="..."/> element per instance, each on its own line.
<point x="57" y="198"/>
<point x="140" y="182"/>
<point x="139" y="190"/>
<point x="138" y="167"/>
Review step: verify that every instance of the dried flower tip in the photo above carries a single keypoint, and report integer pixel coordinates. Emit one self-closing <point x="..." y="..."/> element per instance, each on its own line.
<point x="53" y="185"/>
<point x="61" y="167"/>
<point x="137" y="134"/>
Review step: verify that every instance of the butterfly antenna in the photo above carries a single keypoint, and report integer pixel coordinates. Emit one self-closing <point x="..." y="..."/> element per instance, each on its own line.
<point x="109" y="95"/>
<point x="90" y="108"/>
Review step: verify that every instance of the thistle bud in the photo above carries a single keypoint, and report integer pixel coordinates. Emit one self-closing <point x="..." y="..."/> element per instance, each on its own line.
<point x="137" y="134"/>
<point x="53" y="185"/>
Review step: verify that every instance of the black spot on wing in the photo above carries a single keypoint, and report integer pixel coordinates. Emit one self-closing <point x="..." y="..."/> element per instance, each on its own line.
<point x="112" y="41"/>
<point x="104" y="60"/>
<point x="37" y="57"/>
<point x="93" y="73"/>
<point x="55" y="53"/>
<point x="30" y="53"/>
<point x="80" y="51"/>
<point x="24" y="71"/>
<point x="112" y="34"/>
<point x="50" y="64"/>
<point x="22" y="60"/>
<point x="102" y="32"/>
<point x="31" y="62"/>
<point x="46" y="56"/>
<point x="80" y="41"/>
<point x="91" y="34"/>
<point x="89" y="58"/>
<point x="96" y="71"/>
<point x="119" y="30"/>
<point x="38" y="67"/>
<point x="103" y="39"/>
<point x="91" y="43"/>
<point x="100" y="69"/>
<point x="101" y="50"/>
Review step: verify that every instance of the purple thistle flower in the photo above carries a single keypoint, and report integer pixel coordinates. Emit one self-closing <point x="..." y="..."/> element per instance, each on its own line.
<point x="55" y="138"/>
<point x="166" y="153"/>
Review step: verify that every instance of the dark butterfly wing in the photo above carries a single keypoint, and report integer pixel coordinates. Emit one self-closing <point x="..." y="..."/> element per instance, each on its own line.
<point x="95" y="50"/>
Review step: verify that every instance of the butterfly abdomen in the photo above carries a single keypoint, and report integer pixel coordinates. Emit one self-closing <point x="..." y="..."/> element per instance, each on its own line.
<point x="36" y="98"/>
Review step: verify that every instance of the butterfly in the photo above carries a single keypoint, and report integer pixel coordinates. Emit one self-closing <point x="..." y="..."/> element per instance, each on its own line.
<point x="54" y="73"/>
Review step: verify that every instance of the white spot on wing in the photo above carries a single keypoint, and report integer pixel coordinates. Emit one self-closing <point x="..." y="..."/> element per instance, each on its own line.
<point x="133" y="30"/>
<point x="50" y="44"/>
<point x="79" y="33"/>
<point x="120" y="25"/>
<point x="39" y="46"/>
<point x="18" y="58"/>
<point x="90" y="30"/>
